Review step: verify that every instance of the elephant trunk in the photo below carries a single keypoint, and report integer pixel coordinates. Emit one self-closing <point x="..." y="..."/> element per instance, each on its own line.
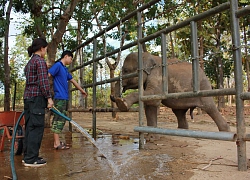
<point x="117" y="92"/>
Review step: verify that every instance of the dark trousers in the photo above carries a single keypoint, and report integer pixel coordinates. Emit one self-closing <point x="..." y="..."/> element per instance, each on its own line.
<point x="34" y="112"/>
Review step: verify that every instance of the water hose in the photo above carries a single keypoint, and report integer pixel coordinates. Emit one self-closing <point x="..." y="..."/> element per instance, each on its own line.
<point x="111" y="163"/>
<point x="13" y="171"/>
<point x="56" y="111"/>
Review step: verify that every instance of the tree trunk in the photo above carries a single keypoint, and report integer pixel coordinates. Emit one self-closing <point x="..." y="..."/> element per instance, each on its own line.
<point x="201" y="61"/>
<point x="220" y="82"/>
<point x="57" y="38"/>
<point x="79" y="54"/>
<point x="247" y="71"/>
<point x="247" y="57"/>
<point x="172" y="45"/>
<point x="113" y="105"/>
<point x="221" y="99"/>
<point x="6" y="61"/>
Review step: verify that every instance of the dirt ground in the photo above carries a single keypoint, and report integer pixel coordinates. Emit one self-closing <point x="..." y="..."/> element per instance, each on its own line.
<point x="192" y="158"/>
<point x="116" y="156"/>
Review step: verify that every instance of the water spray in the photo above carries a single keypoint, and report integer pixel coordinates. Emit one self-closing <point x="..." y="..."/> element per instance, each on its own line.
<point x="84" y="132"/>
<point x="56" y="111"/>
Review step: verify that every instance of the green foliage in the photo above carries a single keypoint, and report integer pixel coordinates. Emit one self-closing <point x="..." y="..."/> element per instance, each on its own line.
<point x="46" y="14"/>
<point x="244" y="2"/>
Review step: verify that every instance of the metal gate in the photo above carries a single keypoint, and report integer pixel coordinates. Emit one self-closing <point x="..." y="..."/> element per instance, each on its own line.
<point x="240" y="136"/>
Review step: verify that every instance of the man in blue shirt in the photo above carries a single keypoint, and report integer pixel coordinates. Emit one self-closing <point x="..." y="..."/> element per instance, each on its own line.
<point x="61" y="76"/>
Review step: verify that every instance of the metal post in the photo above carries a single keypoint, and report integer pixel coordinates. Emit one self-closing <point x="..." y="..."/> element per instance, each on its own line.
<point x="195" y="59"/>
<point x="94" y="89"/>
<point x="241" y="130"/>
<point x="164" y="64"/>
<point x="140" y="85"/>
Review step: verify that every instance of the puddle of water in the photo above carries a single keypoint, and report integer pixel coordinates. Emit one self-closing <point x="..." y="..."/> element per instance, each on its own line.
<point x="125" y="154"/>
<point x="125" y="159"/>
<point x="84" y="160"/>
<point x="119" y="151"/>
<point x="87" y="135"/>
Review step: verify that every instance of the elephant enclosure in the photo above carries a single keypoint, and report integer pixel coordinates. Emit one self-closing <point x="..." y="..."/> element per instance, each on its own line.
<point x="168" y="158"/>
<point x="190" y="158"/>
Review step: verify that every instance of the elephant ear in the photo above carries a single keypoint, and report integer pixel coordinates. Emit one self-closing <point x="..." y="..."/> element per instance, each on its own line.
<point x="148" y="63"/>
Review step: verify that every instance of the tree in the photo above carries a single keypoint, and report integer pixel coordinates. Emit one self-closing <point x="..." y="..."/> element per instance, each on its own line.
<point x="18" y="59"/>
<point x="41" y="20"/>
<point x="6" y="60"/>
<point x="1" y="65"/>
<point x="50" y="19"/>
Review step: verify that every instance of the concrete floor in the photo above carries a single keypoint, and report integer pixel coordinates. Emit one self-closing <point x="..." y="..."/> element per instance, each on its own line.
<point x="81" y="161"/>
<point x="110" y="158"/>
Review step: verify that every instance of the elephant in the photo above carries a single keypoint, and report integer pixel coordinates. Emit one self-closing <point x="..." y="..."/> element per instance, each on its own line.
<point x="179" y="80"/>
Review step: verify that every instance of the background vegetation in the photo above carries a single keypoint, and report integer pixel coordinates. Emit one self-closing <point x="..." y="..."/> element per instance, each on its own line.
<point x="68" y="23"/>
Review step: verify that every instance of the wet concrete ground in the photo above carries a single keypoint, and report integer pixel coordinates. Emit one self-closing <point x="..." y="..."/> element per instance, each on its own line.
<point x="117" y="159"/>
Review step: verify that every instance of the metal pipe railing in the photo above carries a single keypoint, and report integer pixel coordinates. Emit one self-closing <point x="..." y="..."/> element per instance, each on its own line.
<point x="204" y="93"/>
<point x="226" y="136"/>
<point x="243" y="12"/>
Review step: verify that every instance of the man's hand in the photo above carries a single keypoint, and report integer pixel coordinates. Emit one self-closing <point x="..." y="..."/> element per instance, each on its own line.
<point x="50" y="103"/>
<point x="84" y="93"/>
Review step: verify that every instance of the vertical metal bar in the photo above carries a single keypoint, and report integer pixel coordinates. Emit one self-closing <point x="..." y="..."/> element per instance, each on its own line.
<point x="70" y="103"/>
<point x="241" y="130"/>
<point x="164" y="64"/>
<point x="94" y="89"/>
<point x="14" y="98"/>
<point x="140" y="85"/>
<point x="195" y="60"/>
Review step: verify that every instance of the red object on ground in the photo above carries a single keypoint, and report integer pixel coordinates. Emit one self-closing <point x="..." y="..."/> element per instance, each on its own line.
<point x="8" y="119"/>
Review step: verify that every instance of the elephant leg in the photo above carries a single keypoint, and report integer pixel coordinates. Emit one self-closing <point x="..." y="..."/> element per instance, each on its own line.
<point x="151" y="116"/>
<point x="218" y="119"/>
<point x="210" y="108"/>
<point x="181" y="117"/>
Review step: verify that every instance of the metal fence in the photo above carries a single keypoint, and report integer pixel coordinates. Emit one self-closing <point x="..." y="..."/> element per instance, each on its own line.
<point x="240" y="136"/>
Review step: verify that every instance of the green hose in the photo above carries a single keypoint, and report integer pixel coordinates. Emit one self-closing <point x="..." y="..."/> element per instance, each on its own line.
<point x="13" y="170"/>
<point x="60" y="114"/>
<point x="14" y="135"/>
<point x="14" y="176"/>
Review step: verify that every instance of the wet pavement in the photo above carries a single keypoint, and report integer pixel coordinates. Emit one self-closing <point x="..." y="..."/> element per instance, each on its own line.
<point x="113" y="158"/>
